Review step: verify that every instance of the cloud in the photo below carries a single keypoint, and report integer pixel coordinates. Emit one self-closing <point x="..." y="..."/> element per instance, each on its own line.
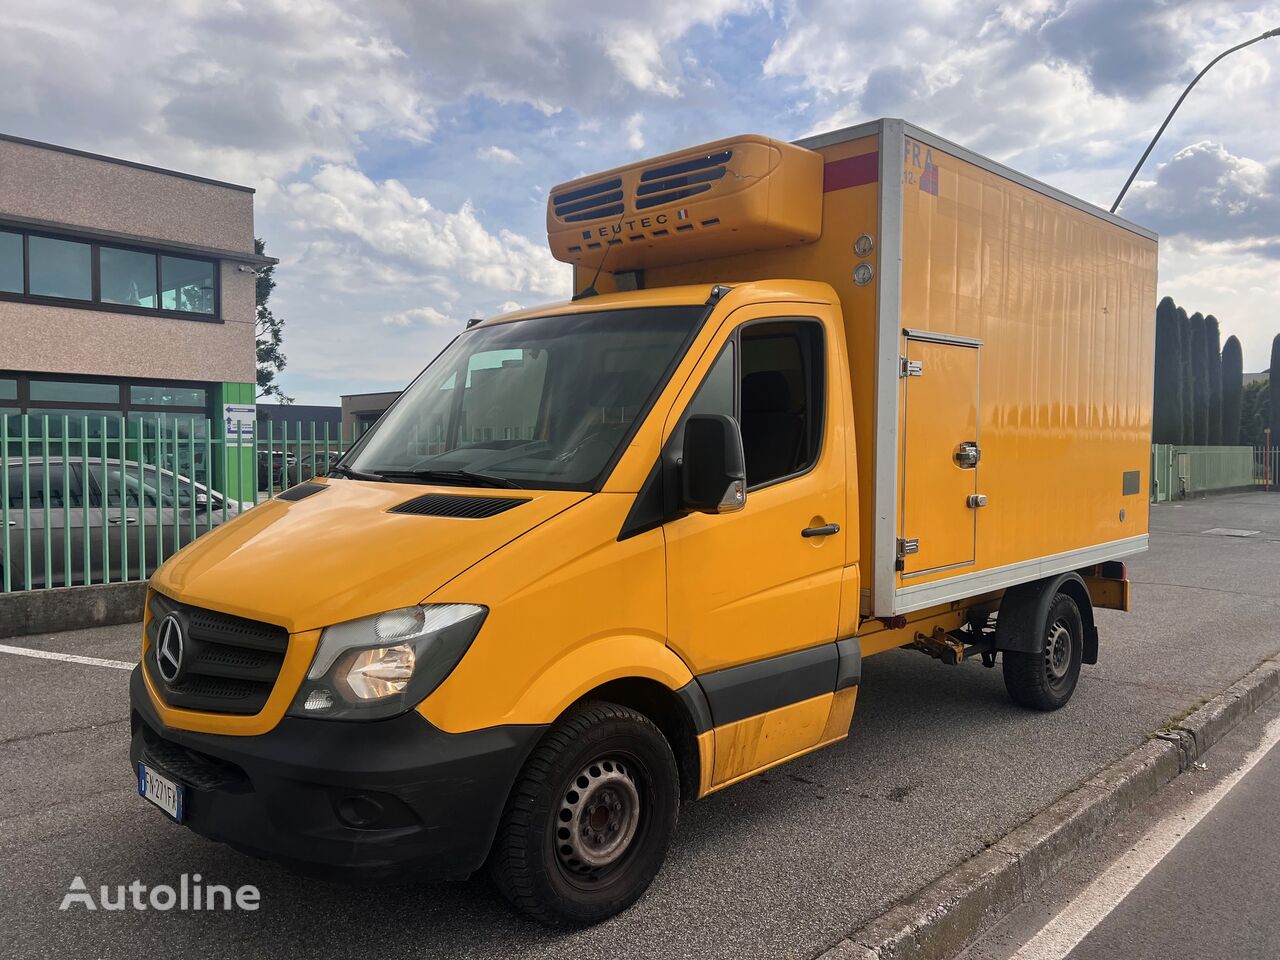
<point x="635" y="131"/>
<point x="1208" y="194"/>
<point x="385" y="219"/>
<point x="1125" y="49"/>
<point x="240" y="91"/>
<point x="495" y="154"/>
<point x="419" y="316"/>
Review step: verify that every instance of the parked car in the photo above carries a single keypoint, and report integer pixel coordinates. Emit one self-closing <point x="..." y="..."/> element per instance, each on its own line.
<point x="275" y="468"/>
<point x="132" y="508"/>
<point x="316" y="465"/>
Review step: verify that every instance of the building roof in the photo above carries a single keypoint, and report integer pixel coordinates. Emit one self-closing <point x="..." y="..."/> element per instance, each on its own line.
<point x="124" y="163"/>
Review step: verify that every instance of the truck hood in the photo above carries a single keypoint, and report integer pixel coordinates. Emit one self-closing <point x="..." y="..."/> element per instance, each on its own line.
<point x="339" y="554"/>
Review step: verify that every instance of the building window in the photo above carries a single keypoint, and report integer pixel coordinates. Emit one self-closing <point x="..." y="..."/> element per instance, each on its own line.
<point x="10" y="262"/>
<point x="133" y="280"/>
<point x="186" y="285"/>
<point x="166" y="396"/>
<point x="72" y="391"/>
<point x="128" y="277"/>
<point x="59" y="268"/>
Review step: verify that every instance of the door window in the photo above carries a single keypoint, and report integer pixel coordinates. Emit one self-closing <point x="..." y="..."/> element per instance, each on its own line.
<point x="781" y="398"/>
<point x="715" y="395"/>
<point x="58" y="496"/>
<point x="126" y="489"/>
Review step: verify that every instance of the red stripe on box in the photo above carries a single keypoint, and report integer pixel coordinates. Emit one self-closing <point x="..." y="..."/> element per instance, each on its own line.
<point x="851" y="172"/>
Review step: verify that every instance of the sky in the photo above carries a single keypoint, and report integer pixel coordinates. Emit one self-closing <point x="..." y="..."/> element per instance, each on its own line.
<point x="402" y="150"/>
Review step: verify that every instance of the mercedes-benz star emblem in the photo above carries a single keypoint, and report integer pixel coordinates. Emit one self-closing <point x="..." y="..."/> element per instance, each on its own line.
<point x="169" y="649"/>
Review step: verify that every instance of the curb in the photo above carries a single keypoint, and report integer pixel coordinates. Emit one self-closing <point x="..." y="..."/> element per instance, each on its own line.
<point x="945" y="917"/>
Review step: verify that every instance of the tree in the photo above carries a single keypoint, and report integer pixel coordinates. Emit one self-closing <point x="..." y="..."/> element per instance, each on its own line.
<point x="1255" y="412"/>
<point x="1200" y="381"/>
<point x="1167" y="411"/>
<point x="1187" y="378"/>
<point x="1274" y="420"/>
<point x="1213" y="361"/>
<point x="1232" y="386"/>
<point x="269" y="333"/>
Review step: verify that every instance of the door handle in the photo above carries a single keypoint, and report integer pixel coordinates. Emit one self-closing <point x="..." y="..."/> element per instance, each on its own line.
<point x="967" y="455"/>
<point x="119" y="520"/>
<point x="825" y="530"/>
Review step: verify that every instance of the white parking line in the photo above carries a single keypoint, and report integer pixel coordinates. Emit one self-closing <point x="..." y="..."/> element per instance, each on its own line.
<point x="1074" y="922"/>
<point x="68" y="657"/>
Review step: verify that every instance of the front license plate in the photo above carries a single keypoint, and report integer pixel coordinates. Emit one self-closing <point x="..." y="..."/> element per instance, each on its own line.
<point x="161" y="791"/>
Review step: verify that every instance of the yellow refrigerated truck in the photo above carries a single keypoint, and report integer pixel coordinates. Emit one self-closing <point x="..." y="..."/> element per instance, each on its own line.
<point x="810" y="402"/>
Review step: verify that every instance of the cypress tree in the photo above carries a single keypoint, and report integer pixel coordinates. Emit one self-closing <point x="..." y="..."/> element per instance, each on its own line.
<point x="1199" y="381"/>
<point x="1186" y="377"/>
<point x="1166" y="424"/>
<point x="1274" y="382"/>
<point x="1232" y="387"/>
<point x="1213" y="361"/>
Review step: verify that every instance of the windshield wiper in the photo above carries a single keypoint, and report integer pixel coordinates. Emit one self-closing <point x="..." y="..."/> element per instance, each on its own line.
<point x="461" y="477"/>
<point x="343" y="471"/>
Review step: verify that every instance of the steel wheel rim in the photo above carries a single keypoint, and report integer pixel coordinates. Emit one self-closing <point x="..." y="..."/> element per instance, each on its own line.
<point x="598" y="818"/>
<point x="1057" y="651"/>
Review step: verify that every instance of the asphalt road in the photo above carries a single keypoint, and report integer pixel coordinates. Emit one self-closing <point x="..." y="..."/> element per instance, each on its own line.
<point x="1191" y="875"/>
<point x="939" y="764"/>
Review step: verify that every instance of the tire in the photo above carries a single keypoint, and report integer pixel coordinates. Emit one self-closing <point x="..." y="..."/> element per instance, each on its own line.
<point x="1045" y="680"/>
<point x="590" y="818"/>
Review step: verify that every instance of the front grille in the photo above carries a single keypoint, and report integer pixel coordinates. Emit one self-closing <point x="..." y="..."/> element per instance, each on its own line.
<point x="229" y="664"/>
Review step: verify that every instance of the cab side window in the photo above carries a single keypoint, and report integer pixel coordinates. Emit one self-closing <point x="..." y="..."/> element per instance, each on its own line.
<point x="781" y="401"/>
<point x="716" y="394"/>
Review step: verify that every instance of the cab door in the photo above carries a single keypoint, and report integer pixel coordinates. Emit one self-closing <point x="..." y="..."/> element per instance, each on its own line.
<point x="753" y="596"/>
<point x="940" y="455"/>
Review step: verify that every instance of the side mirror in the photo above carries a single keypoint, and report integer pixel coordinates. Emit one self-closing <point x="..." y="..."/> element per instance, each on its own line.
<point x="713" y="474"/>
<point x="202" y="499"/>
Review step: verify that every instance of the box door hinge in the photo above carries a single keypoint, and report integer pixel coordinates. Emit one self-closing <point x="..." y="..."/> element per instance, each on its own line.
<point x="906" y="546"/>
<point x="909" y="368"/>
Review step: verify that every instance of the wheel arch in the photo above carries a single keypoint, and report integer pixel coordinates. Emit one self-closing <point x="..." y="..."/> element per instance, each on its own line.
<point x="1024" y="607"/>
<point x="681" y="715"/>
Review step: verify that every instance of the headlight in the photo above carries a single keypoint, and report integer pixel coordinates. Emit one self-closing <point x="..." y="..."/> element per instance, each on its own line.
<point x="381" y="666"/>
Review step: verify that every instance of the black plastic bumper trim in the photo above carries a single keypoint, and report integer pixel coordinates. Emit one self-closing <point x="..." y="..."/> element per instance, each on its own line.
<point x="351" y="799"/>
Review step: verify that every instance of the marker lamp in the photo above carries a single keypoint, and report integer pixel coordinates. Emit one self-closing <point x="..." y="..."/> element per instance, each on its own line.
<point x="380" y="666"/>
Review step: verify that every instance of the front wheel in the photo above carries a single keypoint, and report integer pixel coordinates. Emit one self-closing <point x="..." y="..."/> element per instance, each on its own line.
<point x="590" y="818"/>
<point x="1046" y="678"/>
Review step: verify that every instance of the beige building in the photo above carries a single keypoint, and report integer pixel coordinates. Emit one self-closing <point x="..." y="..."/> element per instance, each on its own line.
<point x="361" y="410"/>
<point x="126" y="291"/>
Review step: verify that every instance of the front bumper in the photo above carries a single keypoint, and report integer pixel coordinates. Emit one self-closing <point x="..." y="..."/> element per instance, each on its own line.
<point x="355" y="799"/>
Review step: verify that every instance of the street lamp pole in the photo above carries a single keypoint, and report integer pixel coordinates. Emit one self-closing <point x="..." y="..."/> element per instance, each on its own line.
<point x="1146" y="153"/>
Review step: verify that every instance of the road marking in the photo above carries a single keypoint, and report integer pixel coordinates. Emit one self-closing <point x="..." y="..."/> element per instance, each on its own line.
<point x="1074" y="922"/>
<point x="68" y="657"/>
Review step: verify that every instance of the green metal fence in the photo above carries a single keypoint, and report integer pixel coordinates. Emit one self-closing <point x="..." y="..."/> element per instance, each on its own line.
<point x="96" y="499"/>
<point x="1178" y="472"/>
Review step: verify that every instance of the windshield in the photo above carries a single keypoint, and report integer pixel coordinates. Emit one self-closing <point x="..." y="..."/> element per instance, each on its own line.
<point x="542" y="403"/>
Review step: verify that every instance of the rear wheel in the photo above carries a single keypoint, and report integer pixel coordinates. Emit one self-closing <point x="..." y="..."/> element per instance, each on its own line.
<point x="1046" y="678"/>
<point x="590" y="818"/>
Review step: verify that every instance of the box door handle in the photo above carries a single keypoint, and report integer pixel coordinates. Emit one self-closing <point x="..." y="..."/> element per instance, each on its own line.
<point x="968" y="455"/>
<point x="118" y="520"/>
<point x="826" y="530"/>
